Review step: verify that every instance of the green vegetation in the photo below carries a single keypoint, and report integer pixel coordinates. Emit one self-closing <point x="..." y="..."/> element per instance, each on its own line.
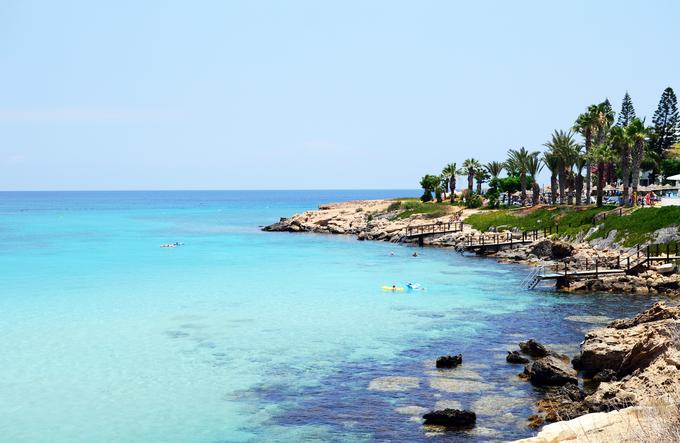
<point x="429" y="183"/>
<point x="637" y="227"/>
<point x="571" y="220"/>
<point x="409" y="207"/>
<point x="612" y="156"/>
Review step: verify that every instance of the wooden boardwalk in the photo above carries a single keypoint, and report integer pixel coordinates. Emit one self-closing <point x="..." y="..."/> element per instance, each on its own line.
<point x="494" y="242"/>
<point x="419" y="232"/>
<point x="632" y="264"/>
<point x="433" y="228"/>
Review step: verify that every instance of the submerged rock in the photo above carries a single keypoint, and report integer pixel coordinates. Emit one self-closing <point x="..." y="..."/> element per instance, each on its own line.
<point x="515" y="357"/>
<point x="449" y="361"/>
<point x="550" y="371"/>
<point x="393" y="383"/>
<point x="451" y="418"/>
<point x="533" y="348"/>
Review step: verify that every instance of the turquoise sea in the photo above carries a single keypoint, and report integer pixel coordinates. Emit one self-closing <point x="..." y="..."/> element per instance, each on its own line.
<point x="242" y="335"/>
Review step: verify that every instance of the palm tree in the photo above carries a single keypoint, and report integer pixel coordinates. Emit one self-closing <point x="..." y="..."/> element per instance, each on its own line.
<point x="511" y="167"/>
<point x="519" y="158"/>
<point x="600" y="154"/>
<point x="586" y="125"/>
<point x="534" y="166"/>
<point x="565" y="148"/>
<point x="450" y="171"/>
<point x="470" y="166"/>
<point x="552" y="162"/>
<point x="494" y="168"/>
<point x="604" y="120"/>
<point x="580" y="163"/>
<point x="637" y="134"/>
<point x="480" y="176"/>
<point x="621" y="143"/>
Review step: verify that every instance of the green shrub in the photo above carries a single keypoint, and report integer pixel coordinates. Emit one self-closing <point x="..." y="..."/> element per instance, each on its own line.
<point x="473" y="201"/>
<point x="394" y="206"/>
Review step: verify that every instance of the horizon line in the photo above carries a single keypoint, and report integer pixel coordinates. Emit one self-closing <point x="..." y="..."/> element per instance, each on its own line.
<point x="209" y="190"/>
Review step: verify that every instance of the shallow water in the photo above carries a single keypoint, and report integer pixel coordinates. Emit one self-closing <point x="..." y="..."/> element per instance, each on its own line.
<point x="241" y="335"/>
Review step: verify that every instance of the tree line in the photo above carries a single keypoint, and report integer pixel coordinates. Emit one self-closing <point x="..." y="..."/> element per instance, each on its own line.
<point x="612" y="150"/>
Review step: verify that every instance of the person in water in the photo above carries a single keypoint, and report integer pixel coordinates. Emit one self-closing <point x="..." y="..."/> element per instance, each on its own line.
<point x="415" y="254"/>
<point x="394" y="287"/>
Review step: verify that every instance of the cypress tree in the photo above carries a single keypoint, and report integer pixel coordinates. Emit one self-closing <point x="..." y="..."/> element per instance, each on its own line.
<point x="627" y="111"/>
<point x="666" y="123"/>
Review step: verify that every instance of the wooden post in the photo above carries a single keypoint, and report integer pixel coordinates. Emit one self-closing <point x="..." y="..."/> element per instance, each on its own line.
<point x="618" y="261"/>
<point x="668" y="251"/>
<point x="628" y="263"/>
<point x="565" y="268"/>
<point x="596" y="268"/>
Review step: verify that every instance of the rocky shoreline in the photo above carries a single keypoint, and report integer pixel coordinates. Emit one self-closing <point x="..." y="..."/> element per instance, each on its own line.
<point x="630" y="372"/>
<point x="376" y="220"/>
<point x="626" y="375"/>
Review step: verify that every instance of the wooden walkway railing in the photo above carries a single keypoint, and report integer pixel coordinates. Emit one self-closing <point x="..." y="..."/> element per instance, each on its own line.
<point x="434" y="228"/>
<point x="617" y="212"/>
<point x="497" y="240"/>
<point x="642" y="258"/>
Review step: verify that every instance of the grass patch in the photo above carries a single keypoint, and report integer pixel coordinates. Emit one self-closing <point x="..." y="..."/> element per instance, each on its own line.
<point x="409" y="207"/>
<point x="637" y="228"/>
<point x="571" y="220"/>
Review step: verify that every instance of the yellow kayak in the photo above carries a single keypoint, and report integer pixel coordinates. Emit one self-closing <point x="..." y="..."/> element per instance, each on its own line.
<point x="392" y="288"/>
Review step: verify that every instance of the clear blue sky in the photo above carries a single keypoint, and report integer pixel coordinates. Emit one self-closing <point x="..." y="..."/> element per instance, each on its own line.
<point x="307" y="94"/>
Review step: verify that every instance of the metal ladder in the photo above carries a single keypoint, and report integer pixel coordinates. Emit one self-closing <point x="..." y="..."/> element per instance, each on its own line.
<point x="531" y="280"/>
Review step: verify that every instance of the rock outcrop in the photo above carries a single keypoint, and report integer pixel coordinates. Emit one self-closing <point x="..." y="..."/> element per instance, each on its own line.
<point x="634" y="362"/>
<point x="552" y="249"/>
<point x="550" y="371"/>
<point x="449" y="361"/>
<point x="533" y="348"/>
<point x="451" y="418"/>
<point x="377" y="220"/>
<point x="624" y="426"/>
<point x="643" y="353"/>
<point x="515" y="357"/>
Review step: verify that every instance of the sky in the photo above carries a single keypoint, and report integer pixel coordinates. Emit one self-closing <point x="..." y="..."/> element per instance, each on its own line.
<point x="118" y="95"/>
